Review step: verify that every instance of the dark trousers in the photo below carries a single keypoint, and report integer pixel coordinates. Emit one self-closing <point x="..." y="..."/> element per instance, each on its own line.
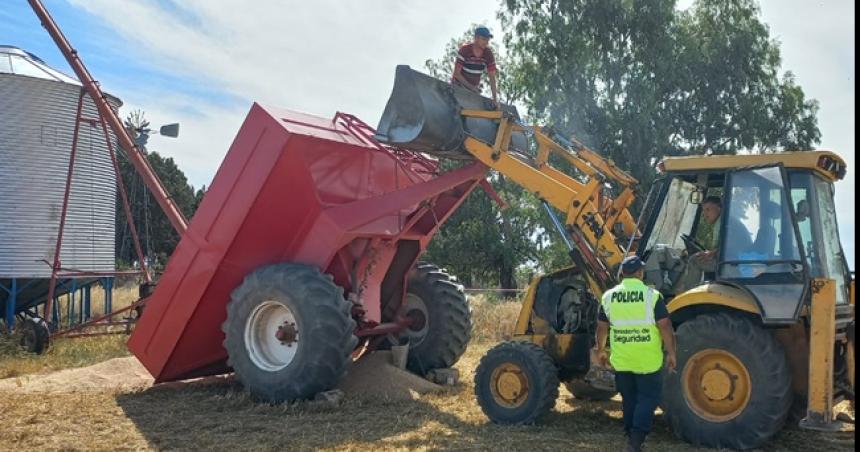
<point x="640" y="395"/>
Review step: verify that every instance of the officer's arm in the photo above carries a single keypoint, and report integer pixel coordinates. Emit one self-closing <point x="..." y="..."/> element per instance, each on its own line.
<point x="602" y="335"/>
<point x="601" y="358"/>
<point x="668" y="335"/>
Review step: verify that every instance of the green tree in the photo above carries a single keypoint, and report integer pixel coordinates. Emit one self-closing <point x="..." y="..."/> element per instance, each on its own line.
<point x="636" y="81"/>
<point x="157" y="236"/>
<point x="640" y="80"/>
<point x="481" y="243"/>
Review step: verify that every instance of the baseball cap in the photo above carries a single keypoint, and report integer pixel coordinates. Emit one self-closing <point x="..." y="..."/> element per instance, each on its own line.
<point x="483" y="31"/>
<point x="631" y="264"/>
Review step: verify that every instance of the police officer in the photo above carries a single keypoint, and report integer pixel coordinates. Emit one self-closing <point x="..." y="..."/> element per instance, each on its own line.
<point x="635" y="319"/>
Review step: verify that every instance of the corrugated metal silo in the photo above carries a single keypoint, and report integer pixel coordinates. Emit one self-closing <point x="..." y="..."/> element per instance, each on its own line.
<point x="37" y="118"/>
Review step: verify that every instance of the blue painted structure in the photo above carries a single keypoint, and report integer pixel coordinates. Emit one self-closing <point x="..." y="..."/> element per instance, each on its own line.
<point x="26" y="296"/>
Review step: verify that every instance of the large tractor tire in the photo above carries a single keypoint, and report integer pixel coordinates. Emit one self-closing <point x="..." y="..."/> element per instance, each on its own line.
<point x="441" y="321"/>
<point x="733" y="384"/>
<point x="288" y="333"/>
<point x="516" y="383"/>
<point x="35" y="335"/>
<point x="584" y="391"/>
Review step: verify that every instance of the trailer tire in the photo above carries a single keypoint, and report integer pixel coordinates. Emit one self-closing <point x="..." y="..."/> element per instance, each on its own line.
<point x="516" y="383"/>
<point x="442" y="322"/>
<point x="35" y="335"/>
<point x="288" y="334"/>
<point x="733" y="384"/>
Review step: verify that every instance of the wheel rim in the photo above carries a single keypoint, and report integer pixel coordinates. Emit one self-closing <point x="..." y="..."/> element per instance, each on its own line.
<point x="717" y="385"/>
<point x="416" y="312"/>
<point x="272" y="336"/>
<point x="509" y="385"/>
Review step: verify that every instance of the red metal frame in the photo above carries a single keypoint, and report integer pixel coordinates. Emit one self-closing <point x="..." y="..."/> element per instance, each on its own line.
<point x="361" y="130"/>
<point x="107" y="118"/>
<point x="75" y="331"/>
<point x="56" y="266"/>
<point x="135" y="154"/>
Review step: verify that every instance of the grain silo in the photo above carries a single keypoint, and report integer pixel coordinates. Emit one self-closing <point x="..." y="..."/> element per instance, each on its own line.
<point x="37" y="118"/>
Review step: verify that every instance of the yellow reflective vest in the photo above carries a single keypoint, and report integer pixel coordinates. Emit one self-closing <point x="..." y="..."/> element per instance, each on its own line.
<point x="633" y="334"/>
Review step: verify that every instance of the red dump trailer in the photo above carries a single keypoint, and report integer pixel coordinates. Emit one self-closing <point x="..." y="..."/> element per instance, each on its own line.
<point x="304" y="251"/>
<point x="302" y="254"/>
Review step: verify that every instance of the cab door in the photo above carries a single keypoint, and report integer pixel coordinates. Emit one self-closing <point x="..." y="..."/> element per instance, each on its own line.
<point x="759" y="248"/>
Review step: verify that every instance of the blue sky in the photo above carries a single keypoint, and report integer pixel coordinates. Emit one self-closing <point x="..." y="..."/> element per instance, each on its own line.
<point x="202" y="62"/>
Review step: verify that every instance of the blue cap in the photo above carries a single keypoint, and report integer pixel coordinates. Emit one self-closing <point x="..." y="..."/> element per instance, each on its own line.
<point x="631" y="264"/>
<point x="483" y="31"/>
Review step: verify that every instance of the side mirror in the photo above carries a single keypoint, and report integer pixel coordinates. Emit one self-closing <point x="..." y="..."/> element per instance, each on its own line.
<point x="697" y="196"/>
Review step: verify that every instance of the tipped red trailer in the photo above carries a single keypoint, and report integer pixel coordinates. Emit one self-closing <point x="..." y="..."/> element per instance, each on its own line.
<point x="303" y="253"/>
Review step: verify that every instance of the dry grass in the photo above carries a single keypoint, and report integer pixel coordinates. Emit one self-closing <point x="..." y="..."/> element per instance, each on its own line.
<point x="123" y="296"/>
<point x="63" y="354"/>
<point x="68" y="352"/>
<point x="218" y="415"/>
<point x="493" y="320"/>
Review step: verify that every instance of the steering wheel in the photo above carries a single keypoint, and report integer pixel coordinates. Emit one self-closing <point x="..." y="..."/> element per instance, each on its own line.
<point x="692" y="245"/>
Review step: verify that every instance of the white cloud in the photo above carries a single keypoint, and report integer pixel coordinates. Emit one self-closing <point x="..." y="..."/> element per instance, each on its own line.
<point x="817" y="45"/>
<point x="316" y="57"/>
<point x="204" y="136"/>
<point x="327" y="55"/>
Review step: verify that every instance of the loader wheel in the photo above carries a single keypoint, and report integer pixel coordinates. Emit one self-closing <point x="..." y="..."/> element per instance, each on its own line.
<point x="288" y="333"/>
<point x="584" y="391"/>
<point x="35" y="335"/>
<point x="516" y="383"/>
<point x="441" y="322"/>
<point x="733" y="384"/>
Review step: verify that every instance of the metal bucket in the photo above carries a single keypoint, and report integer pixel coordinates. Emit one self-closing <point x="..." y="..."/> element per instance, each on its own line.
<point x="423" y="114"/>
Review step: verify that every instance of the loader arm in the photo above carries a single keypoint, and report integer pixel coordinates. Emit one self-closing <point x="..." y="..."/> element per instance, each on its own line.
<point x="427" y="115"/>
<point x="598" y="226"/>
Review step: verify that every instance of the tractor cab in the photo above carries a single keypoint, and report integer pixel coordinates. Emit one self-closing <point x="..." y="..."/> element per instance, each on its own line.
<point x="762" y="224"/>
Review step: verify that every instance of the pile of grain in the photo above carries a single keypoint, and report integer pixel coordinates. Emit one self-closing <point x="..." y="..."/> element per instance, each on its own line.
<point x="373" y="377"/>
<point x="114" y="374"/>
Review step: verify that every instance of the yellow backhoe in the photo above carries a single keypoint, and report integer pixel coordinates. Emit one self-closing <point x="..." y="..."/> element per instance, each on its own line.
<point x="767" y="333"/>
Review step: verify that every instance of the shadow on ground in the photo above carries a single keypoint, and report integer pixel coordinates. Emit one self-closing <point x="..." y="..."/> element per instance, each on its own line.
<point x="217" y="413"/>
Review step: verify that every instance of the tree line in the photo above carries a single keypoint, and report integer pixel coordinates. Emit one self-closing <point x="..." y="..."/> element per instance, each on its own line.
<point x="157" y="236"/>
<point x="636" y="81"/>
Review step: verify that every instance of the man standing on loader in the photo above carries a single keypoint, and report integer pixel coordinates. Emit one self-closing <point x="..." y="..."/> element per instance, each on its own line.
<point x="638" y="321"/>
<point x="472" y="60"/>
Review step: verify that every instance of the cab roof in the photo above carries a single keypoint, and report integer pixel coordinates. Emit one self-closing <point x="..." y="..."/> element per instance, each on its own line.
<point x="826" y="163"/>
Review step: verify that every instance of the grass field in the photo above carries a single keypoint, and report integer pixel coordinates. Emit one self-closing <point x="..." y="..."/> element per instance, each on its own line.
<point x="63" y="354"/>
<point x="66" y="353"/>
<point x="218" y="415"/>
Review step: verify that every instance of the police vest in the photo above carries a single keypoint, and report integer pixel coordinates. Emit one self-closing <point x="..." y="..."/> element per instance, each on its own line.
<point x="633" y="334"/>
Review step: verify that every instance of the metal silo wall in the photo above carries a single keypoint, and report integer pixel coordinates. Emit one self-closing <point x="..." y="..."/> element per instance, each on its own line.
<point x="37" y="119"/>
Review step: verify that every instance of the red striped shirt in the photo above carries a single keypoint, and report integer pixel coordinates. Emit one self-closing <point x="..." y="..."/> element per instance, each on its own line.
<point x="473" y="66"/>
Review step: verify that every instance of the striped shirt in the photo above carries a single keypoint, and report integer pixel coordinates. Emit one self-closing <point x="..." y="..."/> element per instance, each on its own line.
<point x="473" y="66"/>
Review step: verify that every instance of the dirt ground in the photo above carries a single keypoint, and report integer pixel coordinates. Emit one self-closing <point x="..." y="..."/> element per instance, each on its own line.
<point x="216" y="414"/>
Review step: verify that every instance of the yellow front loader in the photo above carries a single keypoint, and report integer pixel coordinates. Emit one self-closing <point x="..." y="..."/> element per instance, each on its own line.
<point x="765" y="335"/>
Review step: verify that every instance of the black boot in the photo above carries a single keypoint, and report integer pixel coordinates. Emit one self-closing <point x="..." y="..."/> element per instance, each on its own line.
<point x="635" y="441"/>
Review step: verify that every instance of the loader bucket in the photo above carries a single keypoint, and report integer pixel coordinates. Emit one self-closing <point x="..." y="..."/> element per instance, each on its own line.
<point x="423" y="114"/>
